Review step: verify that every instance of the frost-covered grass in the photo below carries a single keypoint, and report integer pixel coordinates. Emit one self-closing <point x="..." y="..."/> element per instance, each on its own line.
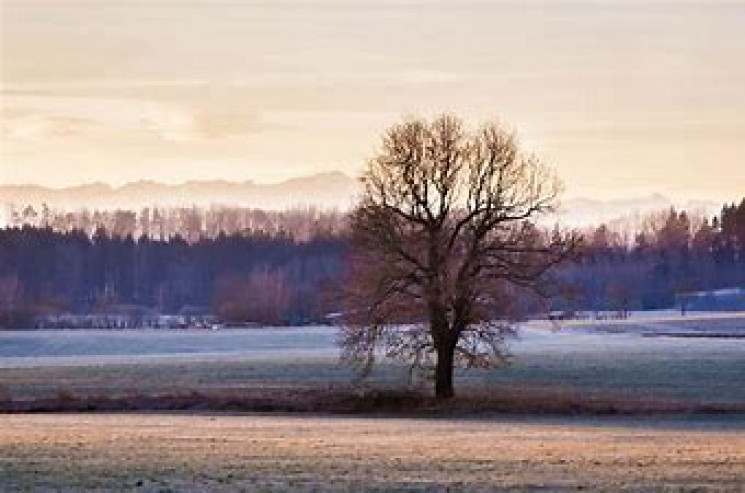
<point x="581" y="363"/>
<point x="670" y="323"/>
<point x="580" y="359"/>
<point x="129" y="452"/>
<point x="102" y="346"/>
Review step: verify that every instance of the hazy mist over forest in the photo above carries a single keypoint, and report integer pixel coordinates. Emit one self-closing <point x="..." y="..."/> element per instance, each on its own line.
<point x="326" y="191"/>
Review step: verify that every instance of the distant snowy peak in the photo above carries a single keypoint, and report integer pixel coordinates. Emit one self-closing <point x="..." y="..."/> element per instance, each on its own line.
<point x="326" y="190"/>
<point x="586" y="212"/>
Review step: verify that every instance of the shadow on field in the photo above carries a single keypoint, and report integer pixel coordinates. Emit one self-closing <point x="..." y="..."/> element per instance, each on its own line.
<point x="379" y="401"/>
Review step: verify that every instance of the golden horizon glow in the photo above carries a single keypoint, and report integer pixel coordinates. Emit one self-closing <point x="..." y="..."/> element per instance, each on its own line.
<point x="624" y="99"/>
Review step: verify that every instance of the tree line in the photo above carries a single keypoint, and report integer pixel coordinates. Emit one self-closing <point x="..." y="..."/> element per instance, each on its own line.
<point x="673" y="253"/>
<point x="189" y="223"/>
<point x="279" y="268"/>
<point x="256" y="277"/>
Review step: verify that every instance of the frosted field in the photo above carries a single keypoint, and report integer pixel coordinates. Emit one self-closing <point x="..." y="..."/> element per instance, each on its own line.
<point x="610" y="358"/>
<point x="96" y="347"/>
<point x="223" y="453"/>
<point x="81" y="347"/>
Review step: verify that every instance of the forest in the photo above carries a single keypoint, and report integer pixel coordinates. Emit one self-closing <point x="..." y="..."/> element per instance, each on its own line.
<point x="282" y="268"/>
<point x="673" y="253"/>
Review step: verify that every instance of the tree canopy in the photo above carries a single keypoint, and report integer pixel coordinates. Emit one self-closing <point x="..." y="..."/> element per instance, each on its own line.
<point x="444" y="232"/>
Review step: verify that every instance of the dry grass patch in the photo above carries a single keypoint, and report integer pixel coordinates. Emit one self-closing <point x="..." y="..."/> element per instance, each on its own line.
<point x="516" y="400"/>
<point x="391" y="401"/>
<point x="229" y="453"/>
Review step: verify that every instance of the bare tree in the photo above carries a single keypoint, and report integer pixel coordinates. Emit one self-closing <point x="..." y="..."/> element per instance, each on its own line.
<point x="441" y="239"/>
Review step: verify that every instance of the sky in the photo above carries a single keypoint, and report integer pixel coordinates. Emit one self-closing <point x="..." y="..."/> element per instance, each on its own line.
<point x="622" y="98"/>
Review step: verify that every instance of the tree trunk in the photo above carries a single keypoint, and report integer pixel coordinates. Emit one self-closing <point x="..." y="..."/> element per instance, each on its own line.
<point x="444" y="373"/>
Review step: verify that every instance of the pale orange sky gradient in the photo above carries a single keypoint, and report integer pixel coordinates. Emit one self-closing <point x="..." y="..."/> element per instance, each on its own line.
<point x="622" y="98"/>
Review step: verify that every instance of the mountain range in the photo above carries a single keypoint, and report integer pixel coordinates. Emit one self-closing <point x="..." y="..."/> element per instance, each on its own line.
<point x="324" y="190"/>
<point x="579" y="212"/>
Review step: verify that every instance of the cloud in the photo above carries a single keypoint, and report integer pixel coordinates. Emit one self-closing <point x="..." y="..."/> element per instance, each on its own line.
<point x="34" y="127"/>
<point x="218" y="123"/>
<point x="46" y="117"/>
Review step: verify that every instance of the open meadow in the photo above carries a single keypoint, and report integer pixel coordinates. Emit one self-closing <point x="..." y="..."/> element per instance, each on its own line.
<point x="611" y="360"/>
<point x="614" y="405"/>
<point x="171" y="452"/>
